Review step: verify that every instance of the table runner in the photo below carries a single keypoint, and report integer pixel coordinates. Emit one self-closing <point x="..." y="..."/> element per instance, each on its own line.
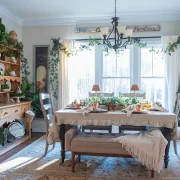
<point x="118" y="118"/>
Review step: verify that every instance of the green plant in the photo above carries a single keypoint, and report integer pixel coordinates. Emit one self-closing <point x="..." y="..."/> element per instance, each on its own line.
<point x="29" y="95"/>
<point x="24" y="70"/>
<point x="113" y="100"/>
<point x="102" y="100"/>
<point x="5" y="86"/>
<point x="7" y="72"/>
<point x="9" y="54"/>
<point x="26" y="89"/>
<point x="94" y="99"/>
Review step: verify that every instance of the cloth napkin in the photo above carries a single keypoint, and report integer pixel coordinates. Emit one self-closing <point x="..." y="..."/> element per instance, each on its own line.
<point x="88" y="108"/>
<point x="159" y="108"/>
<point x="130" y="109"/>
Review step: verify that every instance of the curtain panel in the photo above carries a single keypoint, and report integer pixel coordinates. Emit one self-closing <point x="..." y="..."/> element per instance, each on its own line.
<point x="172" y="71"/>
<point x="63" y="76"/>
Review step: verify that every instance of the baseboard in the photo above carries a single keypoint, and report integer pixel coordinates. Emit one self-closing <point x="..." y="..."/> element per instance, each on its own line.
<point x="38" y="130"/>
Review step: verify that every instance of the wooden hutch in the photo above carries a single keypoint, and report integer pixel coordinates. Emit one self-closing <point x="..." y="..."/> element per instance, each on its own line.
<point x="10" y="111"/>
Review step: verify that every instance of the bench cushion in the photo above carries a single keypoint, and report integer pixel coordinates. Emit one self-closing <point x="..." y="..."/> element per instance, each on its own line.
<point x="97" y="143"/>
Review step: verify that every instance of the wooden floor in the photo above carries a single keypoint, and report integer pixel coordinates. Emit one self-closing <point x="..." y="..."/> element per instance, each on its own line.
<point x="35" y="136"/>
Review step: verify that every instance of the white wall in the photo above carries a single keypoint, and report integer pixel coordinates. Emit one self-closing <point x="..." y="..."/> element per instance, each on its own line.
<point x="12" y="25"/>
<point x="41" y="35"/>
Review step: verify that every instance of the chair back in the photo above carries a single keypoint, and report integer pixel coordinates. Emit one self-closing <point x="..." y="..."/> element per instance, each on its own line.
<point x="142" y="95"/>
<point x="46" y="101"/>
<point x="101" y="94"/>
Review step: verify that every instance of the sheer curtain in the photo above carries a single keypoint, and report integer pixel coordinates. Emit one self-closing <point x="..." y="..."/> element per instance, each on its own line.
<point x="172" y="70"/>
<point x="63" y="76"/>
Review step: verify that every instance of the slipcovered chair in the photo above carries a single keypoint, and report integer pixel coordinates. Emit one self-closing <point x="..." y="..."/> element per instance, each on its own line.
<point x="91" y="127"/>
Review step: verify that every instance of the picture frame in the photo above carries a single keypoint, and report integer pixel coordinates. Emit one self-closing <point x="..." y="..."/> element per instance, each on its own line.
<point x="41" y="57"/>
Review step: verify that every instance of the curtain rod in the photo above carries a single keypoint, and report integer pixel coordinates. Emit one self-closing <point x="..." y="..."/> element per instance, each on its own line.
<point x="152" y="37"/>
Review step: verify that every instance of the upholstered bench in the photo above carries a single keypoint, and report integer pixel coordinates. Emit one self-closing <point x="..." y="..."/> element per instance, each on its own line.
<point x="95" y="144"/>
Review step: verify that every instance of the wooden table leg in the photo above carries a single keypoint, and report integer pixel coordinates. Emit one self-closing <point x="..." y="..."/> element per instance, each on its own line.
<point x="167" y="135"/>
<point x="28" y="129"/>
<point x="62" y="138"/>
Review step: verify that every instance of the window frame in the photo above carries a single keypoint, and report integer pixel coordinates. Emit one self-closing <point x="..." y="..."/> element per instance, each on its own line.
<point x="135" y="64"/>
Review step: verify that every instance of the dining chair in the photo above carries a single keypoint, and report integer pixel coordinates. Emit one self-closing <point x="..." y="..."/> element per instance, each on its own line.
<point x="130" y="95"/>
<point x="92" y="127"/>
<point x="47" y="107"/>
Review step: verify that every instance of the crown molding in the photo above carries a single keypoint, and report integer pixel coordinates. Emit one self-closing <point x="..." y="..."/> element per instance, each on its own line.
<point x="72" y="20"/>
<point x="101" y="19"/>
<point x="10" y="15"/>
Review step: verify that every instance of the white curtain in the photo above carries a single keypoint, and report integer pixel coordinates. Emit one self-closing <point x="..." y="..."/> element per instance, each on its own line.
<point x="63" y="76"/>
<point x="172" y="69"/>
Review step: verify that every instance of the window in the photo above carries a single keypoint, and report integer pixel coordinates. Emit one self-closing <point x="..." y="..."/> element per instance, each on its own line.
<point x="152" y="75"/>
<point x="117" y="73"/>
<point x="81" y="74"/>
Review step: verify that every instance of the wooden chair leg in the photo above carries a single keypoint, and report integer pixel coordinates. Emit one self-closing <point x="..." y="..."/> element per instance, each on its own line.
<point x="175" y="146"/>
<point x="73" y="160"/>
<point x="152" y="173"/>
<point x="46" y="149"/>
<point x="79" y="158"/>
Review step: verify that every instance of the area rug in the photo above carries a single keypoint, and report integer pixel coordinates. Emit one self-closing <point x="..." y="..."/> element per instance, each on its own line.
<point x="28" y="165"/>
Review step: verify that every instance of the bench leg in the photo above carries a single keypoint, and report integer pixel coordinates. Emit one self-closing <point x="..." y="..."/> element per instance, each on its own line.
<point x="152" y="173"/>
<point x="73" y="160"/>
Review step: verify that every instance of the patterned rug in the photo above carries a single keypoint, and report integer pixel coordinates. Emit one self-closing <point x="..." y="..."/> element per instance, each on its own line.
<point x="27" y="165"/>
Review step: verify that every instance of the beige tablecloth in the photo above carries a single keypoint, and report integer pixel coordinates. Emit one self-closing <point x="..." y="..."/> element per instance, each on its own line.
<point x="118" y="118"/>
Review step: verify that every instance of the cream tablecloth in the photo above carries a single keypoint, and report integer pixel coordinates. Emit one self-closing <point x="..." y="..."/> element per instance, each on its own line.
<point x="118" y="118"/>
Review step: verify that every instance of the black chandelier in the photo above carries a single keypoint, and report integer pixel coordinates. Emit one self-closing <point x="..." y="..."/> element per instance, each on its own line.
<point x="118" y="32"/>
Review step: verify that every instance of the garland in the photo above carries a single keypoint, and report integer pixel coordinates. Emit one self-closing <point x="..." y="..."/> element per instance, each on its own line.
<point x="171" y="47"/>
<point x="59" y="47"/>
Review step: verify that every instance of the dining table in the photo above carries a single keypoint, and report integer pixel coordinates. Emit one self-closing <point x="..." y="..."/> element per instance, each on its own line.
<point x="165" y="121"/>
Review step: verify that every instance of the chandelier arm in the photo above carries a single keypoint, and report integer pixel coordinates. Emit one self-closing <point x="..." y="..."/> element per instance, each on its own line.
<point x="108" y="44"/>
<point x="110" y="33"/>
<point x="125" y="43"/>
<point x="119" y="41"/>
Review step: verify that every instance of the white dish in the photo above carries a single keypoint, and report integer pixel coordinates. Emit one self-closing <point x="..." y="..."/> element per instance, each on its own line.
<point x="2" y="69"/>
<point x="9" y="84"/>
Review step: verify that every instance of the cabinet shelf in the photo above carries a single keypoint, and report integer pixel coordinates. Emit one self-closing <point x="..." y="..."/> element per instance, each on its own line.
<point x="10" y="78"/>
<point x="2" y="92"/>
<point x="6" y="62"/>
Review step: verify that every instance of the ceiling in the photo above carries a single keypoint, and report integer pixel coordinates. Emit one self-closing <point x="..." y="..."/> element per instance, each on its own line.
<point x="80" y="11"/>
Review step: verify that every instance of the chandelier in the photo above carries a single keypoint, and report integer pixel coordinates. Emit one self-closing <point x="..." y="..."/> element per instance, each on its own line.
<point x="117" y="34"/>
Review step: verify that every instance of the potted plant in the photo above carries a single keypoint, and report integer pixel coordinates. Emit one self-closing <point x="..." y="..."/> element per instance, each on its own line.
<point x="113" y="102"/>
<point x="5" y="87"/>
